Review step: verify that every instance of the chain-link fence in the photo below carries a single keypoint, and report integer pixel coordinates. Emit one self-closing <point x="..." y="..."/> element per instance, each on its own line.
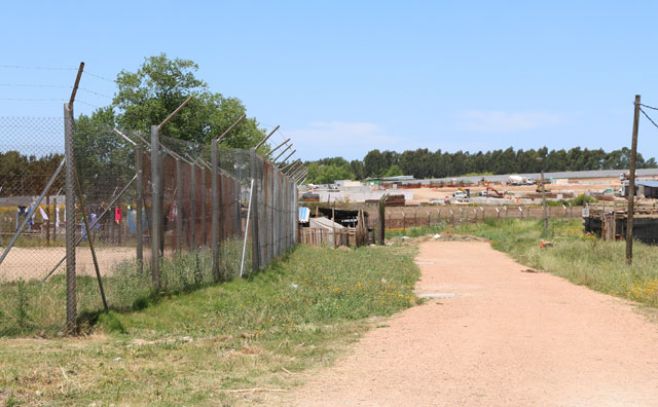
<point x="151" y="215"/>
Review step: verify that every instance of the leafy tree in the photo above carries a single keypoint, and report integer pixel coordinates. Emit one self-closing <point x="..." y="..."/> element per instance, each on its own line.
<point x="145" y="97"/>
<point x="393" y="171"/>
<point x="328" y="173"/>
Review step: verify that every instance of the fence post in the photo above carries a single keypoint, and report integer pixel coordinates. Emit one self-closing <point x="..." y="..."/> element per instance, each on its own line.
<point x="381" y="226"/>
<point x="156" y="207"/>
<point x="214" y="228"/>
<point x="71" y="298"/>
<point x="139" y="207"/>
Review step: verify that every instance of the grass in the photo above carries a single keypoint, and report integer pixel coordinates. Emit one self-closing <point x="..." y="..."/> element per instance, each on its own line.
<point x="190" y="348"/>
<point x="580" y="258"/>
<point x="36" y="307"/>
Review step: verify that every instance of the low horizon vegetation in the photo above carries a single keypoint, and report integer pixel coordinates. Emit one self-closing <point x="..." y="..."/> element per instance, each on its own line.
<point x="423" y="163"/>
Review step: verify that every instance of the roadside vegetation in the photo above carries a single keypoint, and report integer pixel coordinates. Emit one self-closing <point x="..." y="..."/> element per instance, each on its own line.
<point x="220" y="344"/>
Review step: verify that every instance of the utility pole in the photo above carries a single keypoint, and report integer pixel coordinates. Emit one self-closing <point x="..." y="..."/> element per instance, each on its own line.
<point x="631" y="183"/>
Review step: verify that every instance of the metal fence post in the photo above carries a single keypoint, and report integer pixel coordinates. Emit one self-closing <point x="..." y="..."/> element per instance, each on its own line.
<point x="156" y="209"/>
<point x="214" y="228"/>
<point x="139" y="207"/>
<point x="71" y="298"/>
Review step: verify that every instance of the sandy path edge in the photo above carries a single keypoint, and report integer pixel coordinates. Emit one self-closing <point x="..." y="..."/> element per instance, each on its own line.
<point x="506" y="338"/>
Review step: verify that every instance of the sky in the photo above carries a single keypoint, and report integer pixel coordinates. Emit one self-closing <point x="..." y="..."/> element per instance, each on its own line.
<point x="345" y="77"/>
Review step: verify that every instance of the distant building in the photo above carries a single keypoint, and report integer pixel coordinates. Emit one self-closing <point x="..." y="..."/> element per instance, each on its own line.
<point x="644" y="188"/>
<point x="398" y="179"/>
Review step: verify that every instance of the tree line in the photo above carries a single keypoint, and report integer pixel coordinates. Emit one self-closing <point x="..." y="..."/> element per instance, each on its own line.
<point x="27" y="174"/>
<point x="423" y="163"/>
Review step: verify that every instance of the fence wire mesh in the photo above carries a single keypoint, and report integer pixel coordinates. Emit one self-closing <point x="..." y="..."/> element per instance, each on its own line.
<point x="114" y="220"/>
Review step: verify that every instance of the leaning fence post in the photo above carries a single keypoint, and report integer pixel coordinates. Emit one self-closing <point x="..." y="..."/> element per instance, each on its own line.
<point x="71" y="298"/>
<point x="156" y="209"/>
<point x="246" y="233"/>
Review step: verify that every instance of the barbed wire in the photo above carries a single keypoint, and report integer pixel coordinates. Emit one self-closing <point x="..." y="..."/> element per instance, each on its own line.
<point x="82" y="102"/>
<point x="93" y="92"/>
<point x="101" y="77"/>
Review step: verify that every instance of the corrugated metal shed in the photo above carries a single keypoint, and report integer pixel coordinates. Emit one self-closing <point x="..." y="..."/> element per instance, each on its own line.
<point x="325" y="223"/>
<point x="647" y="183"/>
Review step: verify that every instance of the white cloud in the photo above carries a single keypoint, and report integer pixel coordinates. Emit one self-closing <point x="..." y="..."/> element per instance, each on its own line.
<point x="338" y="138"/>
<point x="492" y="121"/>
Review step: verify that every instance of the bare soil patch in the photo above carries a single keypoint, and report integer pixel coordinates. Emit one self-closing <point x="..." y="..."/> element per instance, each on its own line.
<point x="36" y="262"/>
<point x="493" y="335"/>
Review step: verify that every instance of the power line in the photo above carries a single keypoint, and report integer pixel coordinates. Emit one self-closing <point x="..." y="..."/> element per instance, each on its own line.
<point x="649" y="107"/>
<point x="648" y="117"/>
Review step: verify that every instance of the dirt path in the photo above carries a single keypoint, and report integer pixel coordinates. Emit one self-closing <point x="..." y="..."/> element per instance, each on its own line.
<point x="506" y="338"/>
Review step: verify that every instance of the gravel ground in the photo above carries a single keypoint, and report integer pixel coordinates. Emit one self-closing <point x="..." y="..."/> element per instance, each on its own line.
<point x="494" y="334"/>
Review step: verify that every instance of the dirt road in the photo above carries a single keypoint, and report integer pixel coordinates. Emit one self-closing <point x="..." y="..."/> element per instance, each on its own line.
<point x="497" y="336"/>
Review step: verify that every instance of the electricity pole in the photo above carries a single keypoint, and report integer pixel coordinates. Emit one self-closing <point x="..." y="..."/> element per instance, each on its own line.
<point x="631" y="183"/>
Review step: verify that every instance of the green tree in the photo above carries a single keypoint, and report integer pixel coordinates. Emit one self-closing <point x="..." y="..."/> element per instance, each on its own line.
<point x="393" y="171"/>
<point x="145" y="97"/>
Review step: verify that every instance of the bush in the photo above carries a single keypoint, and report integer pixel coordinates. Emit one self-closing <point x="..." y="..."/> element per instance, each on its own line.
<point x="582" y="199"/>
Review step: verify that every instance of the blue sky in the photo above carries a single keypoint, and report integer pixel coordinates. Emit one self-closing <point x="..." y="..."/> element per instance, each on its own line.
<point x="343" y="77"/>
